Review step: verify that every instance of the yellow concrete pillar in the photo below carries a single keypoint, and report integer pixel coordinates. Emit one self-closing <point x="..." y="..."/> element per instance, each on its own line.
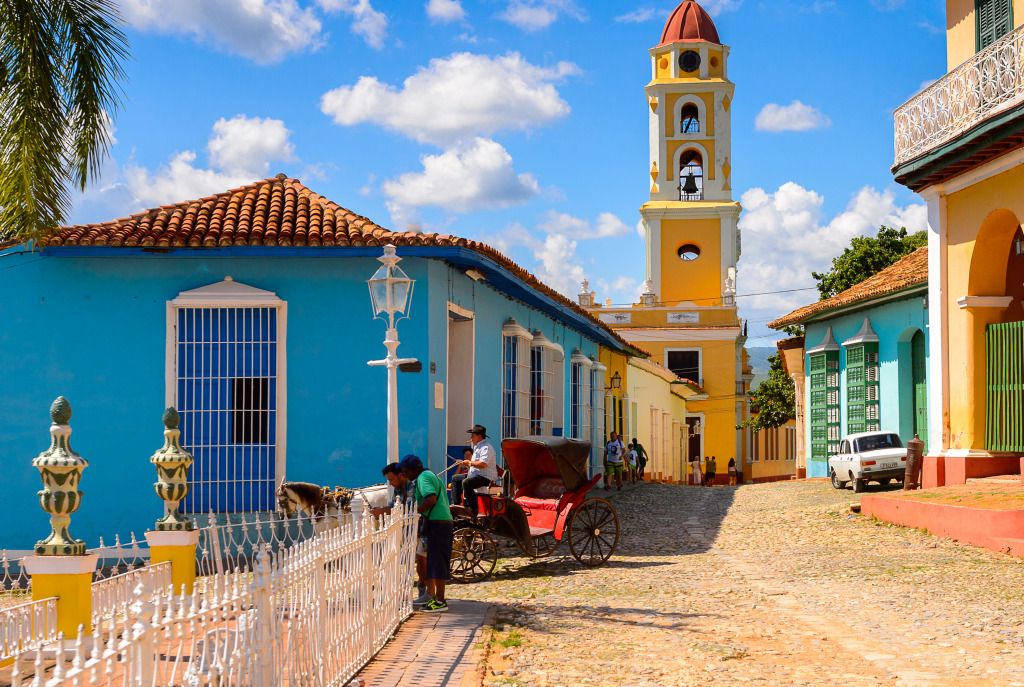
<point x="69" y="578"/>
<point x="179" y="549"/>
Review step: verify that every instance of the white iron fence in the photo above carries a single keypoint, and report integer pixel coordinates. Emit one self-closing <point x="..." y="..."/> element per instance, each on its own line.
<point x="27" y="627"/>
<point x="988" y="83"/>
<point x="312" y="615"/>
<point x="112" y="597"/>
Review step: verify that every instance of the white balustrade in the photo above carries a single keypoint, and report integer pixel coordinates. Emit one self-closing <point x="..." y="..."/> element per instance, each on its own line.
<point x="990" y="82"/>
<point x="27" y="626"/>
<point x="311" y="614"/>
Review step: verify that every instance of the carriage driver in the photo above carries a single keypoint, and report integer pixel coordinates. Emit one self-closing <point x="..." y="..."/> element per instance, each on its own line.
<point x="482" y="470"/>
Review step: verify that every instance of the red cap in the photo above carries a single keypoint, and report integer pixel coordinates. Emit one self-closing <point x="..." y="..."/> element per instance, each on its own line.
<point x="689" y="22"/>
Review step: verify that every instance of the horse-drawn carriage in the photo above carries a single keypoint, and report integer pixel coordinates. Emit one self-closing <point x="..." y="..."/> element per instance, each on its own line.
<point x="549" y="504"/>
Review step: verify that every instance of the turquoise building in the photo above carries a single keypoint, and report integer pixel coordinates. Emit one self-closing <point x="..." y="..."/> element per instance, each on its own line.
<point x="866" y="361"/>
<point x="249" y="312"/>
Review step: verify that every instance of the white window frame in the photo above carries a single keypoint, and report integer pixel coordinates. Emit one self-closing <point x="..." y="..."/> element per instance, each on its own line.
<point x="597" y="382"/>
<point x="515" y="380"/>
<point x="547" y="381"/>
<point x="579" y="396"/>
<point x="231" y="294"/>
<point x="700" y="360"/>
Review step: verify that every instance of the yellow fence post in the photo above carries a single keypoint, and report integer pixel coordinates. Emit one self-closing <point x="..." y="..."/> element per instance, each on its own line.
<point x="174" y="537"/>
<point x="60" y="567"/>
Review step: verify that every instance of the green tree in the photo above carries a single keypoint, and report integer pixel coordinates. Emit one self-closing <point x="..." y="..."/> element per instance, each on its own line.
<point x="60" y="74"/>
<point x="867" y="256"/>
<point x="774" y="399"/>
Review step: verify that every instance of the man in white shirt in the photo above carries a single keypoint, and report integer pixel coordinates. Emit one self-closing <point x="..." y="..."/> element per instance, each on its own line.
<point x="482" y="466"/>
<point x="614" y="453"/>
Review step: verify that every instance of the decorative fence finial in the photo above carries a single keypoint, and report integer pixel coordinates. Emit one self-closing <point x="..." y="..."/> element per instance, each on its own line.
<point x="61" y="471"/>
<point x="172" y="463"/>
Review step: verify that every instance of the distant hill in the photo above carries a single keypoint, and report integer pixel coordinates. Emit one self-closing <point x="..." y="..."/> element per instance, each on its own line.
<point x="758" y="356"/>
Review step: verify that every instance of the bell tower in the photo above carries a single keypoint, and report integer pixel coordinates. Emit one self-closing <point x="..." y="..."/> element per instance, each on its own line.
<point x="691" y="220"/>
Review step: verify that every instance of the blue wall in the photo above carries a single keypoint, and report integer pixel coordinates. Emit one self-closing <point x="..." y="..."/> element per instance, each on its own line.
<point x="94" y="330"/>
<point x="895" y="323"/>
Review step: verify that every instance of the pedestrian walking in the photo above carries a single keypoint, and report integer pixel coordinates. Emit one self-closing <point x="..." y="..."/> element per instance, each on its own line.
<point x="732" y="472"/>
<point x="641" y="457"/>
<point x="631" y="463"/>
<point x="614" y="454"/>
<point x="432" y="504"/>
<point x="709" y="472"/>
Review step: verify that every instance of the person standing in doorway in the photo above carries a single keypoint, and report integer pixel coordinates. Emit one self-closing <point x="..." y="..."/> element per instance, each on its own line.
<point x="432" y="505"/>
<point x="641" y="458"/>
<point x="614" y="454"/>
<point x="732" y="472"/>
<point x="481" y="470"/>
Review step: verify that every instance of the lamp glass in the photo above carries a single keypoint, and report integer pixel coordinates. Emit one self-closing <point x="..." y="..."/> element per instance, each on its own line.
<point x="390" y="289"/>
<point x="616" y="381"/>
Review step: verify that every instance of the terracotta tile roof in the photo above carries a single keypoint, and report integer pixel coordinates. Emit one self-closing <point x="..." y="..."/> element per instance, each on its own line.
<point x="279" y="211"/>
<point x="909" y="272"/>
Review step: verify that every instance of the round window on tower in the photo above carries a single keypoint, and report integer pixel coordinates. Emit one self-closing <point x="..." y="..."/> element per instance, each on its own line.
<point x="689" y="61"/>
<point x="688" y="252"/>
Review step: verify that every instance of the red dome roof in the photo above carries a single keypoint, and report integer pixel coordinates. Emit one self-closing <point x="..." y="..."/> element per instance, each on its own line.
<point x="689" y="22"/>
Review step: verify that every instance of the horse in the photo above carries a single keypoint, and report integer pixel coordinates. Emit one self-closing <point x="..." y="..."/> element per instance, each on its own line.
<point x="320" y="503"/>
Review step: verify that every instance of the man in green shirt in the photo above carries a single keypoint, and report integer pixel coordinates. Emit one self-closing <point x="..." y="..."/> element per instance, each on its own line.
<point x="436" y="516"/>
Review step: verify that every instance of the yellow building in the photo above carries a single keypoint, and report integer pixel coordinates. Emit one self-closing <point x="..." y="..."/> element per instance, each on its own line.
<point x="687" y="318"/>
<point x="959" y="145"/>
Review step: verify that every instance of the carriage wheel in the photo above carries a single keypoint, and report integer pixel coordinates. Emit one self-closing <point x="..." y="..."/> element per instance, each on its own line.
<point x="593" y="532"/>
<point x="543" y="545"/>
<point x="474" y="555"/>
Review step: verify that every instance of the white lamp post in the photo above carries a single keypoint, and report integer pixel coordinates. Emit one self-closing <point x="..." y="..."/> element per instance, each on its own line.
<point x="391" y="296"/>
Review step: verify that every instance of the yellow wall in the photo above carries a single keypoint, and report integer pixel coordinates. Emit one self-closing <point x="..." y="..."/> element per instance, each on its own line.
<point x="980" y="223"/>
<point x="648" y="390"/>
<point x="698" y="280"/>
<point x="707" y="128"/>
<point x="718" y="366"/>
<point x="663" y="64"/>
<point x="773" y="447"/>
<point x="961" y="32"/>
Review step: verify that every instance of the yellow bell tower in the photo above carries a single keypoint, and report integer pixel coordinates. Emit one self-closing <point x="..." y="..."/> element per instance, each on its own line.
<point x="687" y="318"/>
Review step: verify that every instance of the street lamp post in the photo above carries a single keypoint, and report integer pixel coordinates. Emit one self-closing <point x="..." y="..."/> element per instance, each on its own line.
<point x="391" y="297"/>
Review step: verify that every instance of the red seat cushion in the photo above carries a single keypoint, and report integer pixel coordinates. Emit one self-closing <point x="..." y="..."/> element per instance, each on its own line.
<point x="538" y="504"/>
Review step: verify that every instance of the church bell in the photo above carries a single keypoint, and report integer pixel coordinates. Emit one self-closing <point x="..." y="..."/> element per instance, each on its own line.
<point x="690" y="185"/>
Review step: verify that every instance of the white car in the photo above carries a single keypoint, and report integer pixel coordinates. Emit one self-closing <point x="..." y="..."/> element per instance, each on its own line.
<point x="868" y="457"/>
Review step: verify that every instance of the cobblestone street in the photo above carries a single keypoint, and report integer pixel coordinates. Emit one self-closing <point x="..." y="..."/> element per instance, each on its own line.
<point x="770" y="584"/>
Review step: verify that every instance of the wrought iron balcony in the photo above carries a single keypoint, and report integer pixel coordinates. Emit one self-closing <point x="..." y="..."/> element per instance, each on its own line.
<point x="991" y="82"/>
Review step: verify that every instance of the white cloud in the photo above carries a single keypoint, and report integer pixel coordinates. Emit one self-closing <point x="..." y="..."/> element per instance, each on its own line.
<point x="445" y="11"/>
<point x="240" y="152"/>
<point x="244" y="146"/>
<point x="793" y="117"/>
<point x="607" y="225"/>
<point x="261" y="30"/>
<point x="558" y="266"/>
<point x="717" y="7"/>
<point x="456" y="97"/>
<point x="468" y="177"/>
<point x="641" y="230"/>
<point x="785" y="238"/>
<point x="638" y="16"/>
<point x="368" y="23"/>
<point x="533" y="15"/>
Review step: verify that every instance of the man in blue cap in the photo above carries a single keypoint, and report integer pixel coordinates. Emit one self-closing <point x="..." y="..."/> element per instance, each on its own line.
<point x="436" y="516"/>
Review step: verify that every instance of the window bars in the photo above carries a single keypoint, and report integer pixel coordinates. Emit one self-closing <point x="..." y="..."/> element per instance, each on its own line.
<point x="516" y="381"/>
<point x="226" y="371"/>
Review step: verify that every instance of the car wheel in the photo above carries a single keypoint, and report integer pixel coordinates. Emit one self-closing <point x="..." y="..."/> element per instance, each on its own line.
<point x="885" y="481"/>
<point x="858" y="485"/>
<point x="836" y="482"/>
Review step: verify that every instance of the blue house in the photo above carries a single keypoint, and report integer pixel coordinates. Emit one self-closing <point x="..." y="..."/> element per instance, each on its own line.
<point x="249" y="312"/>
<point x="866" y="360"/>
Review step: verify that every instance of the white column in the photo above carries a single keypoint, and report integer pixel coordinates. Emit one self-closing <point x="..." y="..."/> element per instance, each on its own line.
<point x="938" y="319"/>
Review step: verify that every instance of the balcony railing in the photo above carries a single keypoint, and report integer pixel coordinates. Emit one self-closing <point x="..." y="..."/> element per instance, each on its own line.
<point x="991" y="82"/>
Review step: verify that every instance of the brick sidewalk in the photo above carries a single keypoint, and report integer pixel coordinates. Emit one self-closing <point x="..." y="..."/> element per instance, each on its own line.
<point x="433" y="649"/>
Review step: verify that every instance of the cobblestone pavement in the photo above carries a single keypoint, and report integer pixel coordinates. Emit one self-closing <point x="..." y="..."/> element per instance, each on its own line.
<point x="773" y="584"/>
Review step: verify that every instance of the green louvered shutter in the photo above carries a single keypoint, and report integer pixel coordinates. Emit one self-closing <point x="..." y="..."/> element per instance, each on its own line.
<point x="994" y="19"/>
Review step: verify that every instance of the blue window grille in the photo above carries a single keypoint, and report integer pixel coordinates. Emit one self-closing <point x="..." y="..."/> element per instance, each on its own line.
<point x="226" y="384"/>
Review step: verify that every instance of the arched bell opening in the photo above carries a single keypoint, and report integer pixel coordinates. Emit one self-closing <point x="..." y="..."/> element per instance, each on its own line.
<point x="689" y="119"/>
<point x="691" y="176"/>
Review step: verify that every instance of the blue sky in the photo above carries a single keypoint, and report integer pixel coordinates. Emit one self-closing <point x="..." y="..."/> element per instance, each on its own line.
<point x="523" y="123"/>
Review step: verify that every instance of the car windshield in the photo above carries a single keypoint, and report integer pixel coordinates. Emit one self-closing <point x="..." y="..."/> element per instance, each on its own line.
<point x="878" y="441"/>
